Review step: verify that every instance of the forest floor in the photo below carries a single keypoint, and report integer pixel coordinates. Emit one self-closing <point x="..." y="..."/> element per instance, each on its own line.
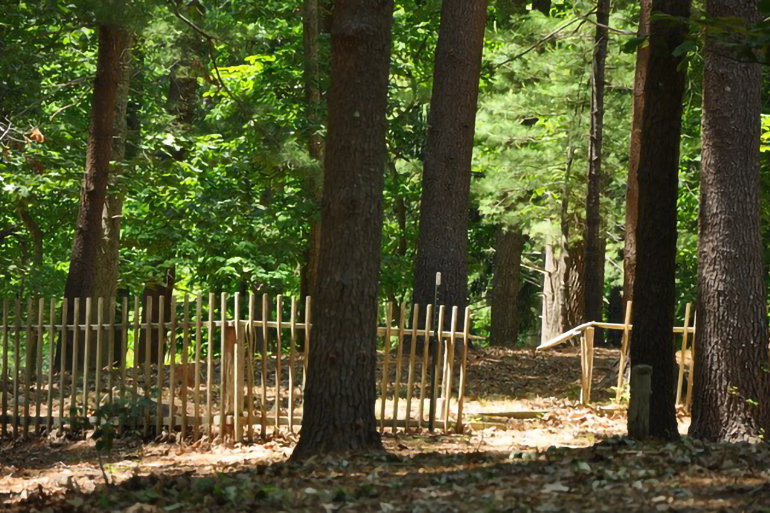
<point x="571" y="458"/>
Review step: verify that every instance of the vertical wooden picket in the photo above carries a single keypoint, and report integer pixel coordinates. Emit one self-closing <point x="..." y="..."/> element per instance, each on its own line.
<point x="292" y="360"/>
<point x="210" y="369"/>
<point x="16" y="365"/>
<point x="449" y="365"/>
<point x="385" y="363"/>
<point x="86" y="355"/>
<point x="222" y="366"/>
<point x="198" y="343"/>
<point x="136" y="365"/>
<point x="399" y="360"/>
<point x="263" y="377"/>
<point x="123" y="363"/>
<point x="39" y="361"/>
<point x="624" y="349"/>
<point x="237" y="392"/>
<point x="171" y="367"/>
<point x="160" y="373"/>
<point x="682" y="359"/>
<point x="98" y="355"/>
<point x="4" y="400"/>
<point x="278" y="316"/>
<point x="185" y="363"/>
<point x="425" y="354"/>
<point x="688" y="399"/>
<point x="306" y="351"/>
<point x="147" y="367"/>
<point x="412" y="356"/>
<point x="51" y="350"/>
<point x="110" y="349"/>
<point x="461" y="387"/>
<point x="250" y="351"/>
<point x="75" y="349"/>
<point x="28" y="360"/>
<point x="63" y="336"/>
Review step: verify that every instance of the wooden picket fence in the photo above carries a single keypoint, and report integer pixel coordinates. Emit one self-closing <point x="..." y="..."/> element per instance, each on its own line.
<point x="586" y="333"/>
<point x="223" y="373"/>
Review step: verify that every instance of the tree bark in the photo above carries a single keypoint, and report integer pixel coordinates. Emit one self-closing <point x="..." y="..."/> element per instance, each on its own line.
<point x="594" y="244"/>
<point x="341" y="386"/>
<point x="656" y="232"/>
<point x="81" y="278"/>
<point x="443" y="235"/>
<point x="732" y="385"/>
<point x="632" y="190"/>
<point x="315" y="141"/>
<point x="505" y="286"/>
<point x="550" y="315"/>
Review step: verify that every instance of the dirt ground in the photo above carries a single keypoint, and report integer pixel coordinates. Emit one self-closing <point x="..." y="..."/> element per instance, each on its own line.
<point x="571" y="458"/>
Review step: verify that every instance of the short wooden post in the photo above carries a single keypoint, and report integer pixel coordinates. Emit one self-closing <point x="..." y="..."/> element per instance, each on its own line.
<point x="4" y="431"/>
<point x="624" y="350"/>
<point x="683" y="353"/>
<point x="449" y="371"/>
<point x="185" y="360"/>
<point x="224" y="366"/>
<point x="161" y="362"/>
<point x="171" y="366"/>
<point x="75" y="349"/>
<point x="292" y="361"/>
<point x="39" y="360"/>
<point x="463" y="363"/>
<point x="690" y="377"/>
<point x="399" y="360"/>
<point x="16" y="366"/>
<point x="86" y="355"/>
<point x="385" y="362"/>
<point x="263" y="377"/>
<point x="147" y="363"/>
<point x="250" y="370"/>
<point x="586" y="365"/>
<point x="210" y="368"/>
<point x="425" y="355"/>
<point x="237" y="393"/>
<point x="98" y="355"/>
<point x="51" y="351"/>
<point x="278" y="377"/>
<point x="412" y="355"/>
<point x="29" y="360"/>
<point x="198" y="343"/>
<point x="110" y="348"/>
<point x="62" y="360"/>
<point x="639" y="406"/>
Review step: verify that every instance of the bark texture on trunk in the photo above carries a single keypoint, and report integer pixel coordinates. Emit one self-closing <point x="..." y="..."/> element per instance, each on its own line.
<point x="505" y="286"/>
<point x="594" y="243"/>
<point x="563" y="292"/>
<point x="114" y="41"/>
<point x="632" y="190"/>
<point x="655" y="287"/>
<point x="443" y="236"/>
<point x="312" y="76"/>
<point x="341" y="384"/>
<point x="732" y="385"/>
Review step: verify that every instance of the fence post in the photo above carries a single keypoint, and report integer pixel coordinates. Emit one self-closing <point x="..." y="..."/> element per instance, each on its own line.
<point x="624" y="350"/>
<point x="682" y="358"/>
<point x="461" y="388"/>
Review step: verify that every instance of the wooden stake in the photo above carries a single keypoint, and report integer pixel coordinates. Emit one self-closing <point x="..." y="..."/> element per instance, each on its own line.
<point x="75" y="362"/>
<point x="51" y="350"/>
<point x="198" y="343"/>
<point x="292" y="362"/>
<point x="278" y="315"/>
<point x="98" y="356"/>
<point x="210" y="368"/>
<point x="250" y="349"/>
<point x="123" y="363"/>
<point x="450" y="368"/>
<point x="161" y="362"/>
<point x="16" y="365"/>
<point x="688" y="400"/>
<point x="110" y="349"/>
<point x="39" y="360"/>
<point x="412" y="354"/>
<point x="29" y="361"/>
<point x="461" y="390"/>
<point x="683" y="354"/>
<point x="185" y="360"/>
<point x="237" y="393"/>
<point x="425" y="355"/>
<point x="223" y="364"/>
<point x="385" y="362"/>
<point x="171" y="367"/>
<point x="63" y="360"/>
<point x="87" y="355"/>
<point x="399" y="358"/>
<point x="137" y="341"/>
<point x="624" y="349"/>
<point x="263" y="377"/>
<point x="4" y="432"/>
<point x="307" y="344"/>
<point x="147" y="367"/>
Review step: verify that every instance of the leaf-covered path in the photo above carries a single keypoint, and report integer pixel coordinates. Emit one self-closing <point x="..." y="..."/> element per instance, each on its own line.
<point x="571" y="459"/>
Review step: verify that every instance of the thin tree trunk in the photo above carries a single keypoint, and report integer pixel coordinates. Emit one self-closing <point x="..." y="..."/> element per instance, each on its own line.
<point x="443" y="235"/>
<point x="313" y="106"/>
<point x="632" y="190"/>
<point x="594" y="244"/>
<point x="505" y="286"/>
<point x="341" y="385"/>
<point x="656" y="232"/>
<point x="81" y="278"/>
<point x="732" y="385"/>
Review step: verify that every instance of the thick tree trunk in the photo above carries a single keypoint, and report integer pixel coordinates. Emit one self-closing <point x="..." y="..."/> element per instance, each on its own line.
<point x="550" y="315"/>
<point x="632" y="190"/>
<point x="106" y="279"/>
<point x="312" y="76"/>
<point x="594" y="243"/>
<point x="572" y="266"/>
<point x="341" y="386"/>
<point x="443" y="237"/>
<point x="656" y="233"/>
<point x="505" y="286"/>
<point x="732" y="385"/>
<point x="81" y="278"/>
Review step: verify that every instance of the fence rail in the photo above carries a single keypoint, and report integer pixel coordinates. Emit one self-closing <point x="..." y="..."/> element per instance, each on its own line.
<point x="210" y="365"/>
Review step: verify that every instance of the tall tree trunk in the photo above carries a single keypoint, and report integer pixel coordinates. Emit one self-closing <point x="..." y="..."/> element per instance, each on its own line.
<point x="81" y="278"/>
<point x="732" y="385"/>
<point x="313" y="104"/>
<point x="632" y="188"/>
<point x="505" y="286"/>
<point x="106" y="279"/>
<point x="341" y="390"/>
<point x="594" y="243"/>
<point x="551" y="321"/>
<point x="656" y="233"/>
<point x="443" y="238"/>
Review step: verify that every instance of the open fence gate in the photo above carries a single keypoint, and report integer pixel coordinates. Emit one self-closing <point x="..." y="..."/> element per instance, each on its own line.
<point x="586" y="333"/>
<point x="220" y="367"/>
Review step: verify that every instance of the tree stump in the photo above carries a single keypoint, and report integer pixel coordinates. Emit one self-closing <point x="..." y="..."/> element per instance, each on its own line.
<point x="639" y="406"/>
